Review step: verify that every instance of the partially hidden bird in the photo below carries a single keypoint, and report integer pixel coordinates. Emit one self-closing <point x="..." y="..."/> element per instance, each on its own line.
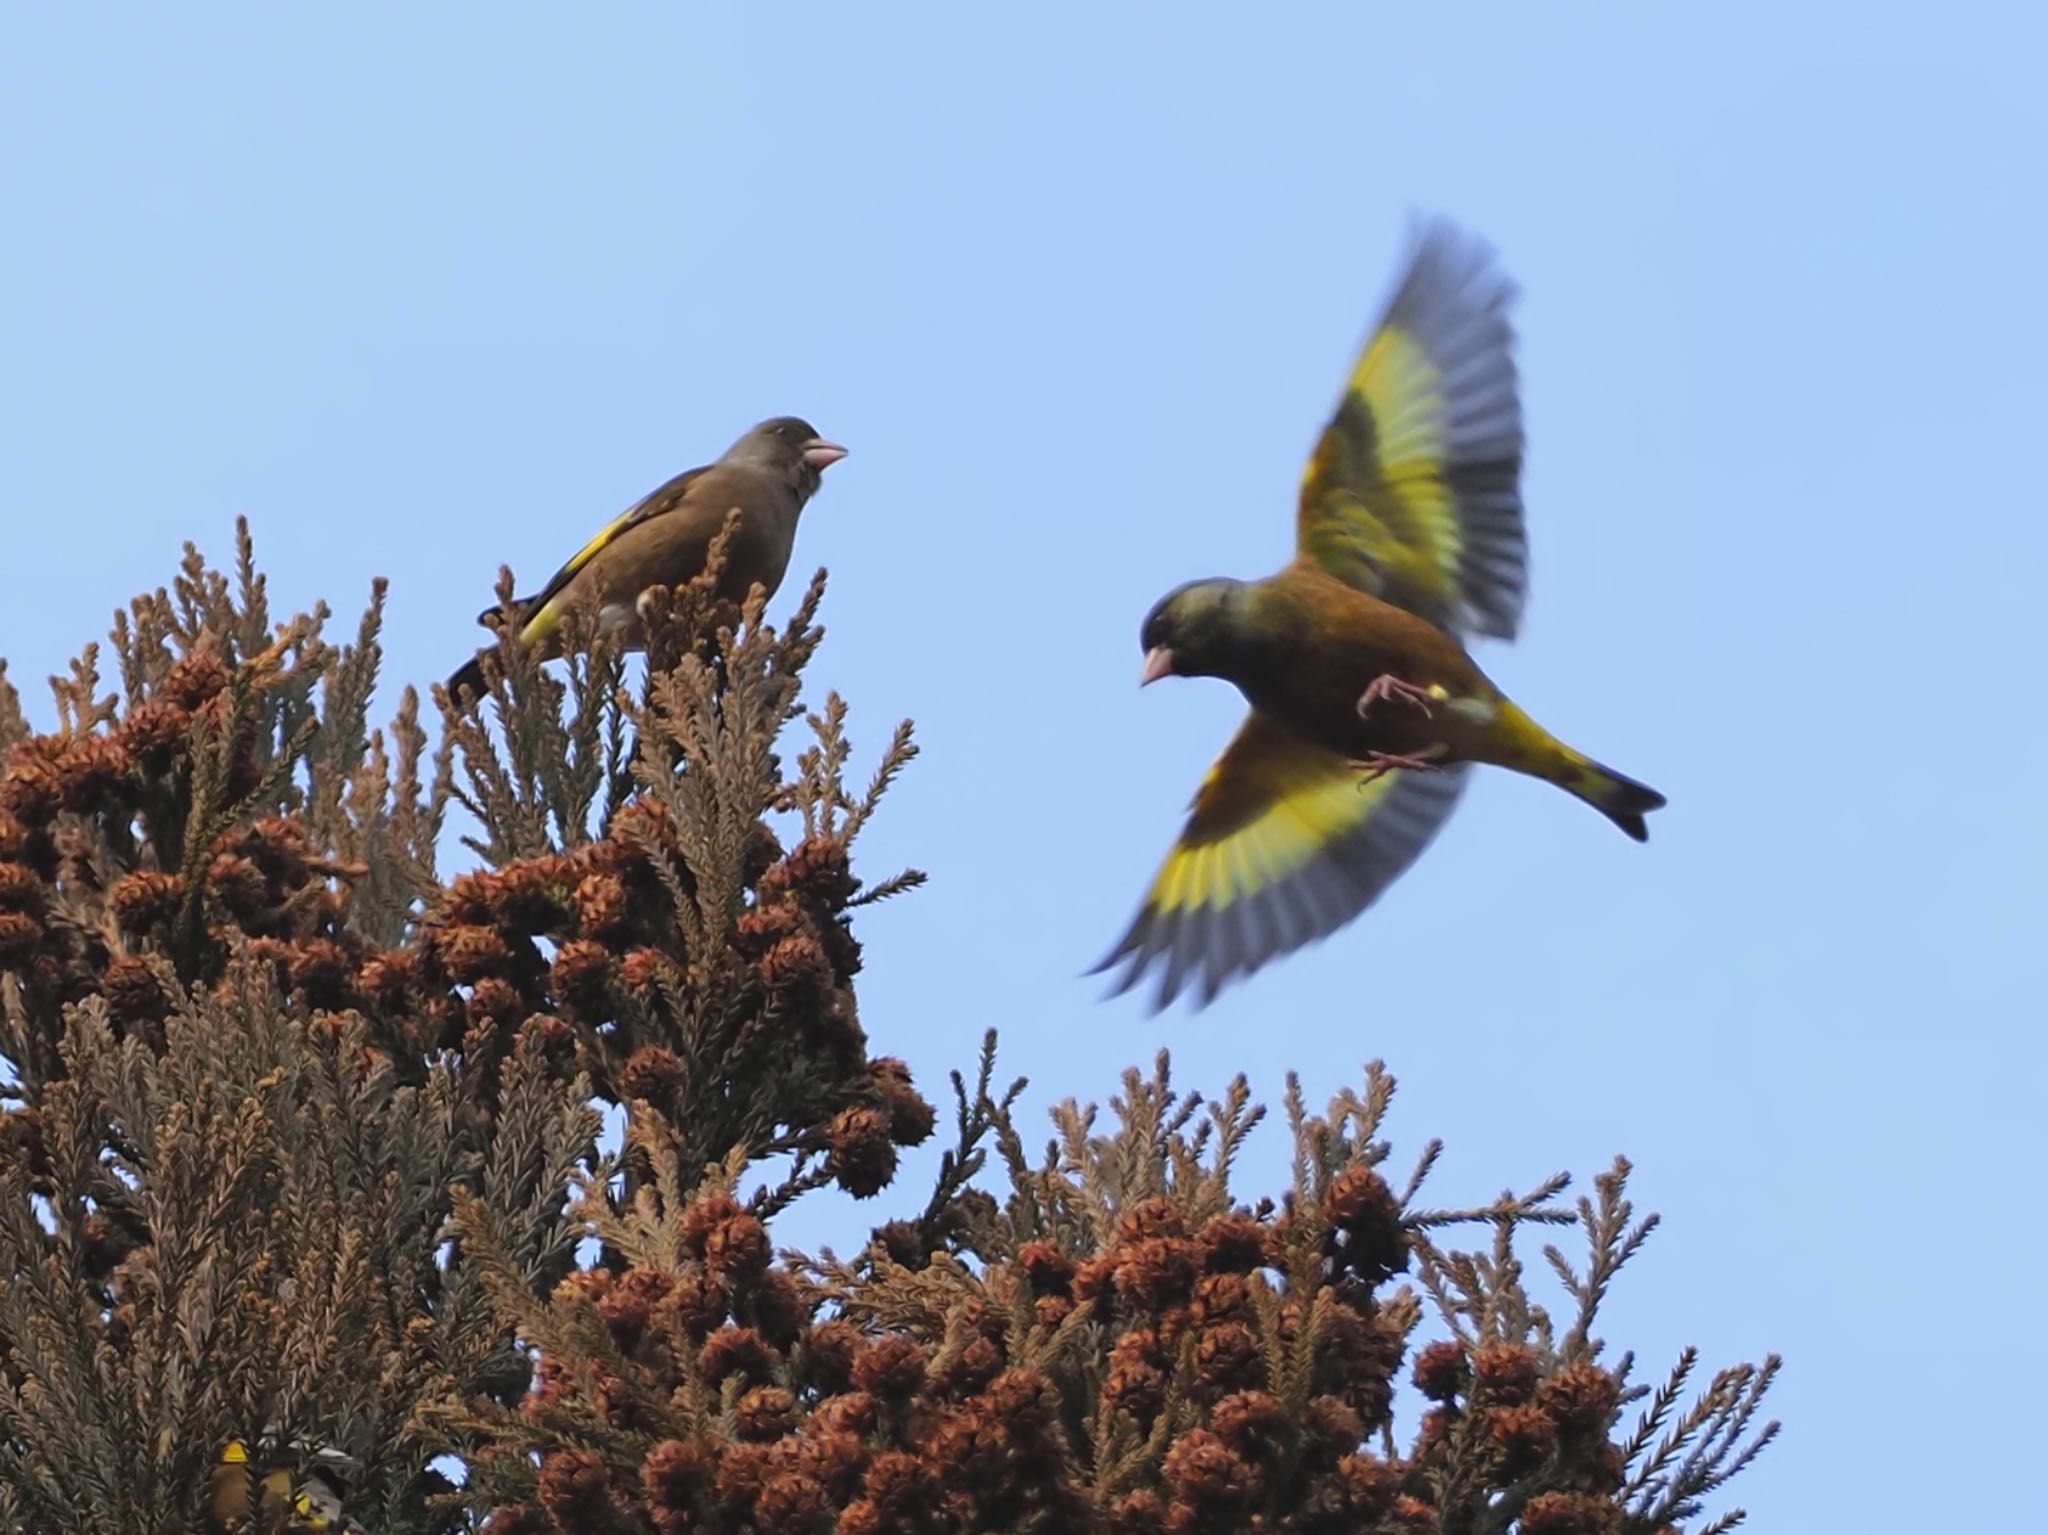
<point x="1366" y="709"/>
<point x="665" y="538"/>
<point x="300" y="1493"/>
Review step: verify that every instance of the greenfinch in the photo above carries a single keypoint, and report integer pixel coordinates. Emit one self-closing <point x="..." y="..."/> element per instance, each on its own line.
<point x="1366" y="709"/>
<point x="664" y="539"/>
<point x="305" y="1500"/>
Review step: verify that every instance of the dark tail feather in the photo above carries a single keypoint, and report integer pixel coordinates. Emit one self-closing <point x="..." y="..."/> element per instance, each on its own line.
<point x="1618" y="797"/>
<point x="493" y="617"/>
<point x="469" y="675"/>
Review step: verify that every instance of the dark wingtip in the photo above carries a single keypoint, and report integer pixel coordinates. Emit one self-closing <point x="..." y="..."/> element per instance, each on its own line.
<point x="1103" y="964"/>
<point x="1129" y="957"/>
<point x="1118" y="984"/>
<point x="469" y="675"/>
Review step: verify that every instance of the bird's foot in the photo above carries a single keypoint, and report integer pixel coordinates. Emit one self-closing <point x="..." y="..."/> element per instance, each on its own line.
<point x="1387" y="685"/>
<point x="1376" y="765"/>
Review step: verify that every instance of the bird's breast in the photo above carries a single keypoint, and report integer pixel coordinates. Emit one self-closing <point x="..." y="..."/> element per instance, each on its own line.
<point x="1315" y="689"/>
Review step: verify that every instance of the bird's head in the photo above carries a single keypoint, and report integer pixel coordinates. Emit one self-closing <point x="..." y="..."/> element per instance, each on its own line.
<point x="1193" y="630"/>
<point x="788" y="445"/>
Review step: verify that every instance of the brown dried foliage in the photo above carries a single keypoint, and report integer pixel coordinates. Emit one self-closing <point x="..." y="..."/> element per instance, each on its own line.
<point x="227" y="1171"/>
<point x="642" y="903"/>
<point x="256" y="1048"/>
<point x="300" y="1141"/>
<point x="1118" y="1345"/>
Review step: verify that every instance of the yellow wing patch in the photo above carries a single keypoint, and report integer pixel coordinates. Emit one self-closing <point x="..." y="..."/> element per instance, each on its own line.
<point x="1273" y="846"/>
<point x="543" y="615"/>
<point x="1413" y="491"/>
<point x="1286" y="843"/>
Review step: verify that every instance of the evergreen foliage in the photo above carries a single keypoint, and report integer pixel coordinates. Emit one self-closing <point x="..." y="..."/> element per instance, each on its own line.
<point x="301" y="1140"/>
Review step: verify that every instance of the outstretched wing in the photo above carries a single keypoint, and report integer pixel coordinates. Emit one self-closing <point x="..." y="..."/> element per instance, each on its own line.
<point x="535" y="617"/>
<point x="1414" y="492"/>
<point x="1286" y="843"/>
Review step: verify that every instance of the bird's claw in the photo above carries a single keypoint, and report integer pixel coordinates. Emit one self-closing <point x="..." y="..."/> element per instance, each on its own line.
<point x="1387" y="685"/>
<point x="1376" y="765"/>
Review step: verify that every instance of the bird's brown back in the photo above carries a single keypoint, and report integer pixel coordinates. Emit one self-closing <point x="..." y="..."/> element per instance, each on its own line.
<point x="671" y="547"/>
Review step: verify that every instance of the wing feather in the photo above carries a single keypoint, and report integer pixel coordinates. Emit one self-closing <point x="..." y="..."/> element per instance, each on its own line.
<point x="1413" y="493"/>
<point x="539" y="615"/>
<point x="1284" y="845"/>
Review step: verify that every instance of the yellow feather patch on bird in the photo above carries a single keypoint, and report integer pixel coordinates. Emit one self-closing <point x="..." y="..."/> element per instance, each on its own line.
<point x="1401" y="386"/>
<point x="546" y="617"/>
<point x="1286" y="842"/>
<point x="1412" y="492"/>
<point x="1391" y="435"/>
<point x="1262" y="852"/>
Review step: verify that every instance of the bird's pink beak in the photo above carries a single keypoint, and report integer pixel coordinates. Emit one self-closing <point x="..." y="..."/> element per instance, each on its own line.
<point x="820" y="454"/>
<point x="1158" y="663"/>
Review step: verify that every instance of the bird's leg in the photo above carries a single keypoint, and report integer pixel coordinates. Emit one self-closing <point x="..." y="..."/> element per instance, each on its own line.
<point x="1387" y="685"/>
<point x="1376" y="765"/>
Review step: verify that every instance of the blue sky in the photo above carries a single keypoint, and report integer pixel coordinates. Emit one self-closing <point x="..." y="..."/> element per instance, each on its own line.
<point x="423" y="289"/>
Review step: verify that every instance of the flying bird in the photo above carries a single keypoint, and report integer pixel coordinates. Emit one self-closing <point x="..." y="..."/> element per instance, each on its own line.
<point x="665" y="538"/>
<point x="1366" y="709"/>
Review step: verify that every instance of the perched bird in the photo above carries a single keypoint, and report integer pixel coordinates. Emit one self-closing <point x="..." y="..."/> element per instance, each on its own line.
<point x="307" y="1497"/>
<point x="1366" y="710"/>
<point x="663" y="539"/>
